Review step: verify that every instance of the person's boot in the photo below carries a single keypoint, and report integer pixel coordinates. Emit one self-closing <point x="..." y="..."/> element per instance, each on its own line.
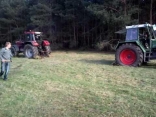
<point x="5" y="77"/>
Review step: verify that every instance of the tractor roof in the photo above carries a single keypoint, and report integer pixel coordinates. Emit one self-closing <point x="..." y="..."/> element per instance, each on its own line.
<point x="138" y="26"/>
<point x="135" y="26"/>
<point x="32" y="32"/>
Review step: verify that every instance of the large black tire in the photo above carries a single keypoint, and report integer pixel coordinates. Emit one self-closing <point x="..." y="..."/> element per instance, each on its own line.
<point x="48" y="49"/>
<point x="129" y="55"/>
<point x="13" y="51"/>
<point x="30" y="51"/>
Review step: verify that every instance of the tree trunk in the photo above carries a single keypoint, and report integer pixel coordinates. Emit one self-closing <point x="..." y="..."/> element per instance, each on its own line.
<point x="74" y="31"/>
<point x="151" y="8"/>
<point x="84" y="35"/>
<point x="125" y="8"/>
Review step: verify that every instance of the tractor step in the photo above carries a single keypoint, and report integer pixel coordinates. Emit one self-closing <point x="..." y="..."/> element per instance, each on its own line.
<point x="147" y="56"/>
<point x="153" y="55"/>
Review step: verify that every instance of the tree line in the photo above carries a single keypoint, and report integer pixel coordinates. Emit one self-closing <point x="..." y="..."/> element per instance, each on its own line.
<point x="73" y="23"/>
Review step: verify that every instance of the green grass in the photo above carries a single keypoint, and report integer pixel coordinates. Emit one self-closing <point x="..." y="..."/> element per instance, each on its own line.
<point x="78" y="84"/>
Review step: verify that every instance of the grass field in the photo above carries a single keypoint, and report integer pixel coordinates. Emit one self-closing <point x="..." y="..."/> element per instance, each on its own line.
<point x="78" y="84"/>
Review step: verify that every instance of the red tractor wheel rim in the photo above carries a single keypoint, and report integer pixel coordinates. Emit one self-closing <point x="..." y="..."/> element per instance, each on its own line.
<point x="128" y="57"/>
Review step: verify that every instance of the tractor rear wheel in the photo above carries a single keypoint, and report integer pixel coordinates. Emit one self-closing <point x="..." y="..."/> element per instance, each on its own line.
<point x="129" y="55"/>
<point x="30" y="51"/>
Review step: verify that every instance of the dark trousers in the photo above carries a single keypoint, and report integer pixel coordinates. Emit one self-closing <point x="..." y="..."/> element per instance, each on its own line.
<point x="5" y="66"/>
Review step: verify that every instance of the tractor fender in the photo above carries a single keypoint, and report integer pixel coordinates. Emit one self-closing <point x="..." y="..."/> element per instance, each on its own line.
<point x="136" y="43"/>
<point x="141" y="47"/>
<point x="33" y="43"/>
<point x="16" y="47"/>
<point x="27" y="43"/>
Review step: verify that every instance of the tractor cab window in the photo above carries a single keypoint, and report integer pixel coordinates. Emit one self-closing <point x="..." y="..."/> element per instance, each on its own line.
<point x="132" y="34"/>
<point x="143" y="33"/>
<point x="37" y="37"/>
<point x="21" y="38"/>
<point x="152" y="33"/>
<point x="29" y="37"/>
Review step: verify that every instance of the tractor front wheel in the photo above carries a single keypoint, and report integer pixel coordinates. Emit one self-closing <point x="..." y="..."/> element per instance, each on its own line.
<point x="48" y="49"/>
<point x="30" y="51"/>
<point x="129" y="55"/>
<point x="13" y="51"/>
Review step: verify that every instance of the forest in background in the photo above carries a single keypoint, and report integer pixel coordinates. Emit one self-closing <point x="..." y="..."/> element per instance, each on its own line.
<point x="72" y="24"/>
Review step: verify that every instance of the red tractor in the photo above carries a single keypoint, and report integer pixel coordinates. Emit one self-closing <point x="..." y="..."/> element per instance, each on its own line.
<point x="31" y="45"/>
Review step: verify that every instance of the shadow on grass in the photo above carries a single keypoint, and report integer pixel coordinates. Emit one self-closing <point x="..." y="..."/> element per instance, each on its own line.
<point x="110" y="62"/>
<point x="103" y="61"/>
<point x="87" y="51"/>
<point x="95" y="52"/>
<point x="20" y="56"/>
<point x="149" y="65"/>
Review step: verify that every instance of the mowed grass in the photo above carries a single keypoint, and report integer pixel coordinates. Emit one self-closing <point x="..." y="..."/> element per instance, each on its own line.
<point x="78" y="84"/>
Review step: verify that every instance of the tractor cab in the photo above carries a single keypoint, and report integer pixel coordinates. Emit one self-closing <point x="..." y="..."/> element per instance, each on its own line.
<point x="32" y="36"/>
<point x="139" y="45"/>
<point x="35" y="38"/>
<point x="142" y="33"/>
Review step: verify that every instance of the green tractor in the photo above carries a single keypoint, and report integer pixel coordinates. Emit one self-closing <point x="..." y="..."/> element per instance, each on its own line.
<point x="139" y="46"/>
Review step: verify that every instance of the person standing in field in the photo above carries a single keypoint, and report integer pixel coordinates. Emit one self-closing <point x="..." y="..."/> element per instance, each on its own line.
<point x="5" y="56"/>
